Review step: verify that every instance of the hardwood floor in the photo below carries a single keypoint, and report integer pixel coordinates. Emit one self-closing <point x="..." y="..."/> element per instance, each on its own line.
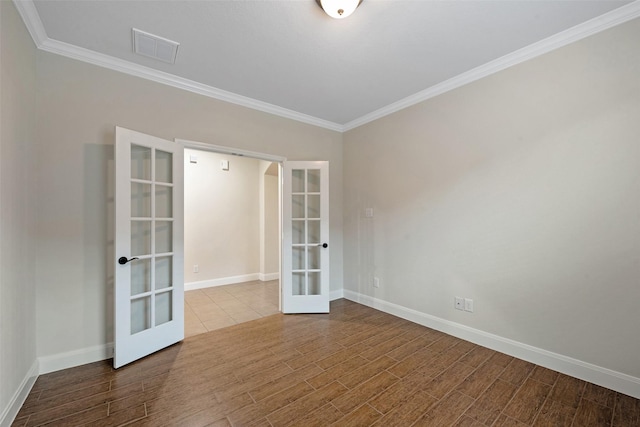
<point x="353" y="367"/>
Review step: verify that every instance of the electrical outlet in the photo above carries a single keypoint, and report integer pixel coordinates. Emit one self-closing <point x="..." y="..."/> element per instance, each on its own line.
<point x="468" y="305"/>
<point x="376" y="282"/>
<point x="195" y="268"/>
<point x="458" y="303"/>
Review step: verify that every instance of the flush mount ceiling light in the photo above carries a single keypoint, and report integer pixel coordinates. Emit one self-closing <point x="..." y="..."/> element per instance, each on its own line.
<point x="339" y="9"/>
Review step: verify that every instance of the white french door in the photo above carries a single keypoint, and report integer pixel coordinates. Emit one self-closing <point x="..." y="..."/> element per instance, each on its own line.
<point x="305" y="240"/>
<point x="149" y="279"/>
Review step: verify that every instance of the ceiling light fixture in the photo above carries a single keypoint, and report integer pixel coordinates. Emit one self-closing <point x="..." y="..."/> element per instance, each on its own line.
<point x="339" y="9"/>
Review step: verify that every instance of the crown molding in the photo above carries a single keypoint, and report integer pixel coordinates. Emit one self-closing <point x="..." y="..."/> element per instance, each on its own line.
<point x="32" y="20"/>
<point x="29" y="13"/>
<point x="116" y="64"/>
<point x="603" y="22"/>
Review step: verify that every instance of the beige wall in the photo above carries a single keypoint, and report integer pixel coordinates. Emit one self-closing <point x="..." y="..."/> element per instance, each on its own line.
<point x="222" y="215"/>
<point x="270" y="247"/>
<point x="17" y="219"/>
<point x="520" y="191"/>
<point x="78" y="106"/>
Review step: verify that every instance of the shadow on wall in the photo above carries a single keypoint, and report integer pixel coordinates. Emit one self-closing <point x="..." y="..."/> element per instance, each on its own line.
<point x="98" y="236"/>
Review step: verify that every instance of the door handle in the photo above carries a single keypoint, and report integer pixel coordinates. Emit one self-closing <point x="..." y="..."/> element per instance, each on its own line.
<point x="324" y="245"/>
<point x="123" y="260"/>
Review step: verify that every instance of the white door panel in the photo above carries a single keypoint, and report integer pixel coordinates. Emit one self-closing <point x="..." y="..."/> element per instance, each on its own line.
<point x="149" y="278"/>
<point x="305" y="216"/>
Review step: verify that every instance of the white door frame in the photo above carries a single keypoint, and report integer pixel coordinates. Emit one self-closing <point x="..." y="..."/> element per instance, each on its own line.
<point x="195" y="145"/>
<point x="228" y="150"/>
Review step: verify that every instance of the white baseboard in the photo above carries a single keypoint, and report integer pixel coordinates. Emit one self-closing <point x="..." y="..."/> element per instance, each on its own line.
<point x="9" y="413"/>
<point x="263" y="277"/>
<point x="334" y="295"/>
<point x="74" y="358"/>
<point x="221" y="281"/>
<point x="266" y="277"/>
<point x="604" y="377"/>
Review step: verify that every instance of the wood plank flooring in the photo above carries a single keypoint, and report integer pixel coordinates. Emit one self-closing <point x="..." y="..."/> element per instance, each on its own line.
<point x="353" y="367"/>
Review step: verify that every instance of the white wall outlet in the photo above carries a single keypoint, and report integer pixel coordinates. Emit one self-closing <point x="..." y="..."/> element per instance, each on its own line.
<point x="193" y="159"/>
<point x="458" y="303"/>
<point x="224" y="165"/>
<point x="376" y="282"/>
<point x="196" y="268"/>
<point x="368" y="212"/>
<point x="468" y="305"/>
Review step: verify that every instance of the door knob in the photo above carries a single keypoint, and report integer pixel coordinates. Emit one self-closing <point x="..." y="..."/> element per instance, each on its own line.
<point x="123" y="260"/>
<point x="324" y="245"/>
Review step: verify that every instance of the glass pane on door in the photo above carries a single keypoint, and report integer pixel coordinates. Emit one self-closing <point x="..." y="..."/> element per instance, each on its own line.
<point x="305" y="224"/>
<point x="140" y="200"/>
<point x="140" y="276"/>
<point x="298" y="258"/>
<point x="299" y="284"/>
<point x="314" y="257"/>
<point x="163" y="308"/>
<point x="313" y="180"/>
<point x="152" y="238"/>
<point x="297" y="206"/>
<point x="140" y="162"/>
<point x="140" y="238"/>
<point x="164" y="170"/>
<point x="313" y="206"/>
<point x="164" y="233"/>
<point x="297" y="231"/>
<point x="140" y="314"/>
<point x="164" y="272"/>
<point x="297" y="181"/>
<point x="164" y="201"/>
<point x="314" y="283"/>
<point x="313" y="234"/>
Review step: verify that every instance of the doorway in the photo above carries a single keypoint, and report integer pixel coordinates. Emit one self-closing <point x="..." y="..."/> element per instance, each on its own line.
<point x="231" y="243"/>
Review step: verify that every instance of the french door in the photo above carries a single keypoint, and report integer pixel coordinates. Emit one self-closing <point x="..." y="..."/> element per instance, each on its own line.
<point x="149" y="279"/>
<point x="305" y="240"/>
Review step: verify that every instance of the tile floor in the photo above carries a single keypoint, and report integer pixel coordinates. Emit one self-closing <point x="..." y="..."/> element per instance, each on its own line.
<point x="221" y="306"/>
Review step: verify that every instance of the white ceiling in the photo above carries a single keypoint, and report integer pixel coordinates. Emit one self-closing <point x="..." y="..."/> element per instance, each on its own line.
<point x="289" y="57"/>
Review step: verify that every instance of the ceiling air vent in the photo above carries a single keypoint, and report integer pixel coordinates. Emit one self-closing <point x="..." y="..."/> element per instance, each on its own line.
<point x="154" y="47"/>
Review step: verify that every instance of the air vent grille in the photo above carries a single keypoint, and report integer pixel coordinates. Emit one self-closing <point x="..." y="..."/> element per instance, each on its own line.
<point x="153" y="46"/>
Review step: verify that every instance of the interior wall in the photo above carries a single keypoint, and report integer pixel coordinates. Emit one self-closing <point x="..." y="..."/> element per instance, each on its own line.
<point x="269" y="220"/>
<point x="221" y="216"/>
<point x="17" y="220"/>
<point x="519" y="191"/>
<point x="78" y="106"/>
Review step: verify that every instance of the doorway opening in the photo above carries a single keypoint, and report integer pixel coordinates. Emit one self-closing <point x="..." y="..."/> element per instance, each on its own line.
<point x="232" y="237"/>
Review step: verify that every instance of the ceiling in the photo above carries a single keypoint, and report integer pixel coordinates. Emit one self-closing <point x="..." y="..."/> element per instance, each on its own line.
<point x="289" y="58"/>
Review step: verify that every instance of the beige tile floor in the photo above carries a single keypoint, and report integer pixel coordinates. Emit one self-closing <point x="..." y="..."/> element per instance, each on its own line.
<point x="214" y="308"/>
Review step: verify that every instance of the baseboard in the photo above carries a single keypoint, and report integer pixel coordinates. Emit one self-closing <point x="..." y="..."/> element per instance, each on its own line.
<point x="74" y="358"/>
<point x="266" y="277"/>
<point x="17" y="400"/>
<point x="221" y="281"/>
<point x="334" y="295"/>
<point x="604" y="377"/>
<point x="83" y="356"/>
